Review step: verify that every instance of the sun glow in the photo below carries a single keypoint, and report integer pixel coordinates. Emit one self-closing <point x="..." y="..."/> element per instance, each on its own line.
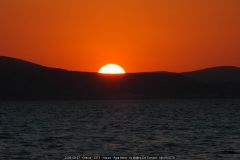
<point x="111" y="69"/>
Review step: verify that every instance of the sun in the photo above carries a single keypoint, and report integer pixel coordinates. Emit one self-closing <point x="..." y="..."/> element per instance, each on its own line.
<point x="111" y="69"/>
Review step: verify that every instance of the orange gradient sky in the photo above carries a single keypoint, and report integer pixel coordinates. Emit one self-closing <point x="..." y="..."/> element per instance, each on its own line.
<point x="139" y="35"/>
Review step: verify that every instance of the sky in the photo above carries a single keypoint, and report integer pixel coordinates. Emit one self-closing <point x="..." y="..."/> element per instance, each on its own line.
<point x="139" y="35"/>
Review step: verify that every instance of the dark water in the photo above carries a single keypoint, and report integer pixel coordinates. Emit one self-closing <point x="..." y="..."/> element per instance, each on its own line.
<point x="186" y="129"/>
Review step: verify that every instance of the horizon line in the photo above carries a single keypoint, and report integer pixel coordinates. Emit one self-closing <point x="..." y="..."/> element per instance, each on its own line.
<point x="156" y="71"/>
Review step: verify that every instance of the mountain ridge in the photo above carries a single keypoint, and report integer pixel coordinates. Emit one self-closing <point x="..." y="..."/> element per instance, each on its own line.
<point x="23" y="80"/>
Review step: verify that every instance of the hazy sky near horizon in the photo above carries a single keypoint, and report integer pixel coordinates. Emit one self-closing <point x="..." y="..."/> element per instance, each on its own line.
<point x="140" y="35"/>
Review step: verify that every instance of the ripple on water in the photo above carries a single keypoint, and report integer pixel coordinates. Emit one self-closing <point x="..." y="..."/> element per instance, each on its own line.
<point x="187" y="129"/>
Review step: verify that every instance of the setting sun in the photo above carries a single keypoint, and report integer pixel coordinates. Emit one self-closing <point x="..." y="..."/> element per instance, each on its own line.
<point x="111" y="69"/>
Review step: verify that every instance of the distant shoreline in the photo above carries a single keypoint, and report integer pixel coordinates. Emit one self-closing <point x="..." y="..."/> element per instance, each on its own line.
<point x="22" y="80"/>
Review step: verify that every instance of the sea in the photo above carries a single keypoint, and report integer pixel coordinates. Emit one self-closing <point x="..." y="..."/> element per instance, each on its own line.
<point x="184" y="129"/>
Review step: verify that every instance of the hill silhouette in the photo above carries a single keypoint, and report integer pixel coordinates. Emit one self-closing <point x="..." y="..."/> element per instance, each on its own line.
<point x="22" y="80"/>
<point x="217" y="75"/>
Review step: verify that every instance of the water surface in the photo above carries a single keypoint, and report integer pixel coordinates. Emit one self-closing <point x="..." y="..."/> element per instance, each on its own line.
<point x="187" y="129"/>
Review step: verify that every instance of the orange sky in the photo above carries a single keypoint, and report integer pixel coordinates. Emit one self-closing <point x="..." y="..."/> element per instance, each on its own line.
<point x="140" y="35"/>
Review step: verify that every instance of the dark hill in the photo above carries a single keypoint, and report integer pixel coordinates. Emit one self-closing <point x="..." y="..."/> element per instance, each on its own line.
<point x="217" y="75"/>
<point x="22" y="80"/>
<point x="8" y="63"/>
<point x="225" y="78"/>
